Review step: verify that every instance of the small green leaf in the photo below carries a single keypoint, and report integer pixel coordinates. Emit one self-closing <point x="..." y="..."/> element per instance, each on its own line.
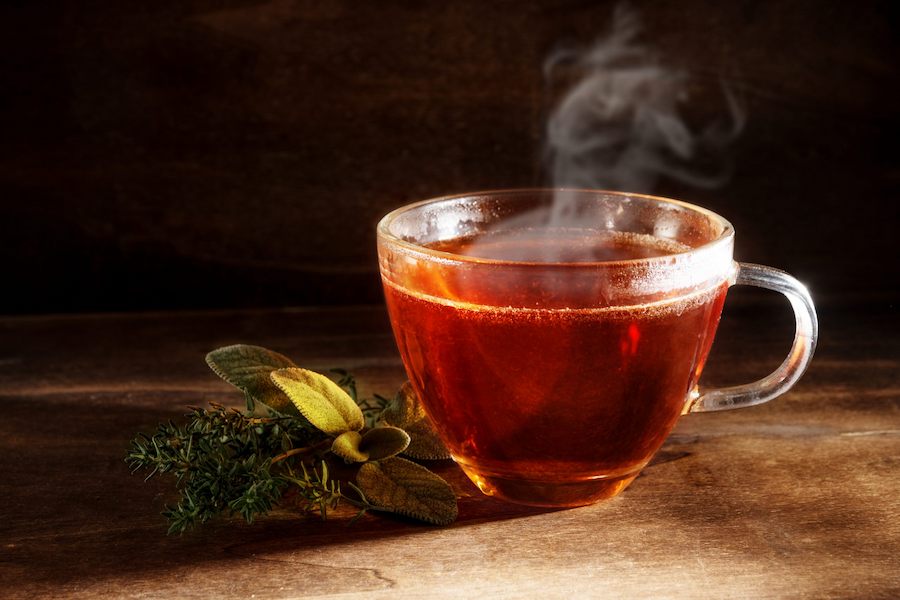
<point x="406" y="412"/>
<point x="329" y="408"/>
<point x="247" y="368"/>
<point x="403" y="487"/>
<point x="376" y="444"/>
<point x="346" y="446"/>
<point x="383" y="442"/>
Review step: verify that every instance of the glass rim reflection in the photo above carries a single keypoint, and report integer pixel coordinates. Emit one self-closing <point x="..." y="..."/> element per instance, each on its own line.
<point x="386" y="235"/>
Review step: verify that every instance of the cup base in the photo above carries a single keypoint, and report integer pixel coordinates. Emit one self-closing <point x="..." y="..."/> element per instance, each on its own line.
<point x="550" y="494"/>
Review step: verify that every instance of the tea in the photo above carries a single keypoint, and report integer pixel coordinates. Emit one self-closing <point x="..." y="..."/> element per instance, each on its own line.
<point x="543" y="394"/>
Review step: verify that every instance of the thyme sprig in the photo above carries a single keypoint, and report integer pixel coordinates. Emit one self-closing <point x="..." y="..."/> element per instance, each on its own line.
<point x="226" y="462"/>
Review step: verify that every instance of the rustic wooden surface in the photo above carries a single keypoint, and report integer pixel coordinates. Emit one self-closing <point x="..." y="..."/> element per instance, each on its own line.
<point x="799" y="498"/>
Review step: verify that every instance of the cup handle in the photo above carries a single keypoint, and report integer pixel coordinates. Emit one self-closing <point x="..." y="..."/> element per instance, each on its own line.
<point x="785" y="376"/>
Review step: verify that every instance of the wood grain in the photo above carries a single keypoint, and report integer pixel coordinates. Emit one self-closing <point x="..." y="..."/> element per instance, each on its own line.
<point x="799" y="498"/>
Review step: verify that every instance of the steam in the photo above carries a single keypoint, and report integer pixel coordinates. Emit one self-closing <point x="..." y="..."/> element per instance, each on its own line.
<point x="619" y="127"/>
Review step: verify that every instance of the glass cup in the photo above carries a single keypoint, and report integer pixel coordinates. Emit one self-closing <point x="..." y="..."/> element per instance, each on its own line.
<point x="554" y="337"/>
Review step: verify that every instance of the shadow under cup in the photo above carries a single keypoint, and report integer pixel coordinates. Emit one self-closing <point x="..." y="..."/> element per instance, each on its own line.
<point x="554" y="337"/>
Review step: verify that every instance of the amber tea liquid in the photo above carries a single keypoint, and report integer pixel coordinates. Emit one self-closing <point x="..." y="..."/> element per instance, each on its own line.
<point x="546" y="396"/>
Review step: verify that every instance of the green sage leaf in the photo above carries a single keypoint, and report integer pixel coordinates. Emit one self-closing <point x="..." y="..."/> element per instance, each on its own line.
<point x="346" y="446"/>
<point x="406" y="412"/>
<point x="375" y="444"/>
<point x="401" y="486"/>
<point x="329" y="408"/>
<point x="383" y="442"/>
<point x="247" y="368"/>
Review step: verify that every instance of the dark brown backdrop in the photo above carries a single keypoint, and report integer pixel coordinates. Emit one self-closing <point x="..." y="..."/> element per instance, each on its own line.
<point x="215" y="154"/>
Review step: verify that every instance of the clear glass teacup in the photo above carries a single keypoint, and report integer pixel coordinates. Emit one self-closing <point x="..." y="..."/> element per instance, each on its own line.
<point x="556" y="336"/>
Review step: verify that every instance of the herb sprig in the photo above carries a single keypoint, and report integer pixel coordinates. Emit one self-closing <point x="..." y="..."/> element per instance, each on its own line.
<point x="228" y="462"/>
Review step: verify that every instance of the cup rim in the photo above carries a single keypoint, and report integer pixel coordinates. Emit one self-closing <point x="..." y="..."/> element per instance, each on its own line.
<point x="383" y="229"/>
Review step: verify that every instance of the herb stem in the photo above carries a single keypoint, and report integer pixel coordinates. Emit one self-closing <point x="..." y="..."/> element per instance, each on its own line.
<point x="303" y="450"/>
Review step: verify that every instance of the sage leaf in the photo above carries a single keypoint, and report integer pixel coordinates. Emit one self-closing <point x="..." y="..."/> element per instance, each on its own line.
<point x="247" y="368"/>
<point x="346" y="446"/>
<point x="401" y="486"/>
<point x="406" y="412"/>
<point x="375" y="444"/>
<point x="329" y="408"/>
<point x="383" y="442"/>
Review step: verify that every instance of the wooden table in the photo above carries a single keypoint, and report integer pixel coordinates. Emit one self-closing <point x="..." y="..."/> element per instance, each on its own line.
<point x="799" y="498"/>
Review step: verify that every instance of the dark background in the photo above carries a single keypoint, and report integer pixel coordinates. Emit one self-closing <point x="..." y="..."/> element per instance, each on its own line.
<point x="169" y="155"/>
